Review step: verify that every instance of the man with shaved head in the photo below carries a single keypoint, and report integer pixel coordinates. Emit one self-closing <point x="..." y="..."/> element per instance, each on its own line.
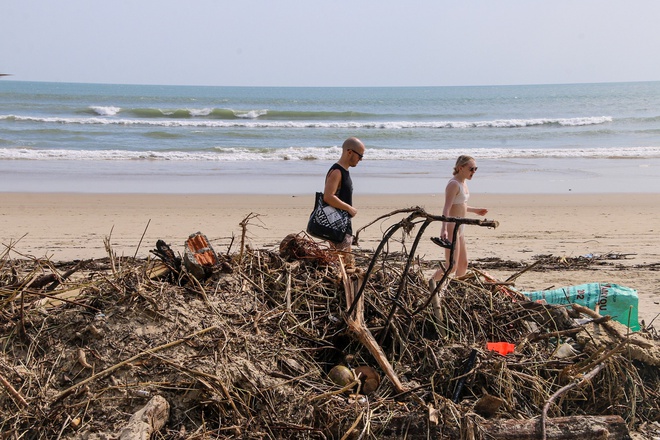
<point x="338" y="191"/>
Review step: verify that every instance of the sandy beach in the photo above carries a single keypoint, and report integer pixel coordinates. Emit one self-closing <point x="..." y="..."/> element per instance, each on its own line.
<point x="68" y="226"/>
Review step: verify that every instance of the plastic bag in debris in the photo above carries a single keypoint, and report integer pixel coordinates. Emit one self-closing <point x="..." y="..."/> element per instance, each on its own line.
<point x="609" y="299"/>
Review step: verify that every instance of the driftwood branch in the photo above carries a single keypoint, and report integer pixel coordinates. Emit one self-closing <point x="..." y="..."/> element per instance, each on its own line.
<point x="384" y="216"/>
<point x="415" y="214"/>
<point x="355" y="301"/>
<point x="576" y="427"/>
<point x="356" y="325"/>
<point x="584" y="379"/>
<point x="56" y="297"/>
<point x="418" y="212"/>
<point x="637" y="347"/>
<point x="151" y="418"/>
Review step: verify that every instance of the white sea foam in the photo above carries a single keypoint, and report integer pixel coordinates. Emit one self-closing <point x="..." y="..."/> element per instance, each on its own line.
<point x="250" y="122"/>
<point x="322" y="154"/>
<point x="252" y="114"/>
<point x="105" y="111"/>
<point x="200" y="112"/>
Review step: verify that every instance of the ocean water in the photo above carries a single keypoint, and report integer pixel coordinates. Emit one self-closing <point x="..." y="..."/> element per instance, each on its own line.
<point x="183" y="139"/>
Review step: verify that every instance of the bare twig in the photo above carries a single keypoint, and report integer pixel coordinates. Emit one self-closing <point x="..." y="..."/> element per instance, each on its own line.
<point x="578" y="382"/>
<point x="141" y="238"/>
<point x="15" y="394"/>
<point x="132" y="359"/>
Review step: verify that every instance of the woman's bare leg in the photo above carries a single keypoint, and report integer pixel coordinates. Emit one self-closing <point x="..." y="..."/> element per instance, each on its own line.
<point x="440" y="272"/>
<point x="461" y="257"/>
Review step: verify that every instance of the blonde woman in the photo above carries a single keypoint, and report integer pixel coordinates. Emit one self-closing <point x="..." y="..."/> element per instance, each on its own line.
<point x="456" y="205"/>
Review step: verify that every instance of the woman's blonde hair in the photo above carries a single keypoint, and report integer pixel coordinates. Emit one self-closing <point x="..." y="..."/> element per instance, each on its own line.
<point x="461" y="161"/>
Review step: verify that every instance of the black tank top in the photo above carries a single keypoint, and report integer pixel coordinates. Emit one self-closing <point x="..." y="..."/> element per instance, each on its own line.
<point x="345" y="192"/>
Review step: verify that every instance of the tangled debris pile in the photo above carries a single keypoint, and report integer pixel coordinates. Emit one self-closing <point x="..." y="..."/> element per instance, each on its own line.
<point x="551" y="262"/>
<point x="123" y="347"/>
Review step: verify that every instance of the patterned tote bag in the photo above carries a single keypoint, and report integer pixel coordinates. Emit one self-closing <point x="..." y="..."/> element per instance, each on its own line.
<point x="327" y="222"/>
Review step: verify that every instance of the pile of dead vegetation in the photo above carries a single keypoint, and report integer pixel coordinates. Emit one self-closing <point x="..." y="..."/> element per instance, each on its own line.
<point x="549" y="262"/>
<point x="124" y="347"/>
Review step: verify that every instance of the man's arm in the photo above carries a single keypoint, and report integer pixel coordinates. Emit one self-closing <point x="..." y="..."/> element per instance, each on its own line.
<point x="332" y="183"/>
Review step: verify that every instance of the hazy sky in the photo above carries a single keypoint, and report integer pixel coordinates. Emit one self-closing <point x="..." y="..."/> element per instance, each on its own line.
<point x="330" y="43"/>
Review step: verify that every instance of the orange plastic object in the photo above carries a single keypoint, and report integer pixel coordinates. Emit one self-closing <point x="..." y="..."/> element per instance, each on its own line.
<point x="502" y="348"/>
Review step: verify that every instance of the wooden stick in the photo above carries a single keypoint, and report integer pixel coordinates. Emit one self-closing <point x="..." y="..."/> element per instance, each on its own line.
<point x="57" y="298"/>
<point x="18" y="396"/>
<point x="353" y="426"/>
<point x="355" y="323"/>
<point x="528" y="268"/>
<point x="611" y="327"/>
<point x="60" y="279"/>
<point x="587" y="377"/>
<point x="128" y="361"/>
<point x="141" y="238"/>
<point x="583" y="427"/>
<point x="436" y="302"/>
<point x="417" y="212"/>
<point x="287" y="292"/>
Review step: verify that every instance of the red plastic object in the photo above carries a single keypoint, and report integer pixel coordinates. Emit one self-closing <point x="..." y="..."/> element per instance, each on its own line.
<point x="502" y="348"/>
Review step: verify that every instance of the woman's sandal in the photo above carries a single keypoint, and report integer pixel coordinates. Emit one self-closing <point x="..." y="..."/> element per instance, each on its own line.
<point x="441" y="242"/>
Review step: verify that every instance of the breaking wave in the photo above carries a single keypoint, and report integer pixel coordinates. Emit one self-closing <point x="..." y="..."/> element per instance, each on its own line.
<point x="184" y="118"/>
<point x="324" y="154"/>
